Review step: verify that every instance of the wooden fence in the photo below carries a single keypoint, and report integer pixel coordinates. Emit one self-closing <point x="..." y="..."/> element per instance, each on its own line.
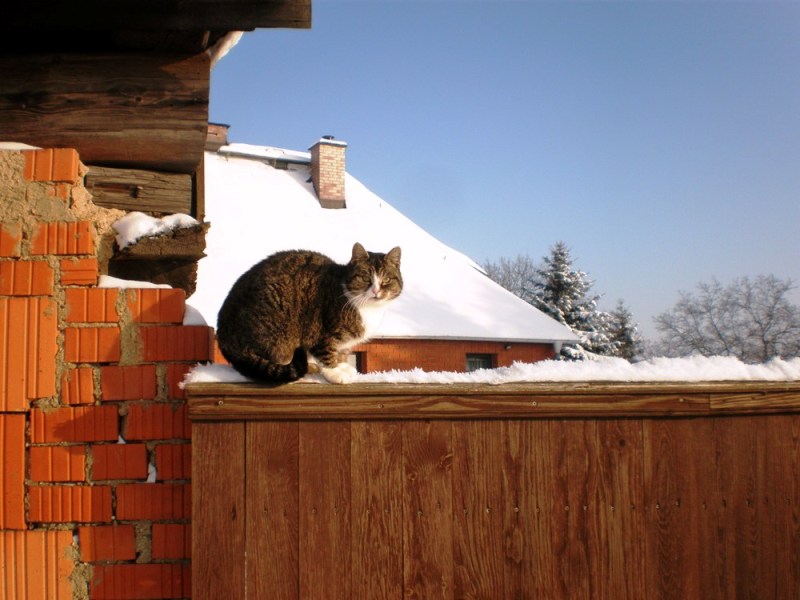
<point x="585" y="491"/>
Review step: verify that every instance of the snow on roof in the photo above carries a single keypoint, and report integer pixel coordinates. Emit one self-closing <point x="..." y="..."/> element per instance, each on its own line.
<point x="256" y="210"/>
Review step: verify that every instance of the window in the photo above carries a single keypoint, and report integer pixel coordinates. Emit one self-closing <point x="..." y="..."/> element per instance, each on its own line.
<point x="480" y="361"/>
<point x="358" y="360"/>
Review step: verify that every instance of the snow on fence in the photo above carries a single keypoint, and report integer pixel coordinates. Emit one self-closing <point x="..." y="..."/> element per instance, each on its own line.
<point x="536" y="490"/>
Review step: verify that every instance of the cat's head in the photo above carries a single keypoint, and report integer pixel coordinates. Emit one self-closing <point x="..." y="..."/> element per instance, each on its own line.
<point x="373" y="277"/>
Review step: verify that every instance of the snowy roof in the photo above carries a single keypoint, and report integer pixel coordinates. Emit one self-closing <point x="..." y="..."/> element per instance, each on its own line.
<point x="256" y="209"/>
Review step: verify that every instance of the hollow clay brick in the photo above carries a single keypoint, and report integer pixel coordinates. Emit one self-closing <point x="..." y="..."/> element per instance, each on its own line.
<point x="176" y="343"/>
<point x="12" y="475"/>
<point x="77" y="386"/>
<point x="92" y="305"/>
<point x="79" y="271"/>
<point x="140" y="581"/>
<point x="107" y="543"/>
<point x="78" y="424"/>
<point x="171" y="541"/>
<point x="58" y="463"/>
<point x="63" y="237"/>
<point x="10" y="238"/>
<point x="92" y="344"/>
<point x="119" y="461"/>
<point x="26" y="278"/>
<point x="157" y="422"/>
<point x="176" y="372"/>
<point x="70" y="504"/>
<point x="36" y="564"/>
<point x="52" y="164"/>
<point x="173" y="461"/>
<point x="153" y="502"/>
<point x="28" y="336"/>
<point x="135" y="382"/>
<point x="156" y="305"/>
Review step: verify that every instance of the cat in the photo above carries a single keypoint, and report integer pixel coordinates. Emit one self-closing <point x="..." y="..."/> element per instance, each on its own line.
<point x="299" y="306"/>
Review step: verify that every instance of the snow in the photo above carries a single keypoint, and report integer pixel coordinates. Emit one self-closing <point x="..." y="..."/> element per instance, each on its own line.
<point x="191" y="315"/>
<point x="693" y="369"/>
<point x="106" y="281"/>
<point x="16" y="146"/>
<point x="256" y="210"/>
<point x="136" y="225"/>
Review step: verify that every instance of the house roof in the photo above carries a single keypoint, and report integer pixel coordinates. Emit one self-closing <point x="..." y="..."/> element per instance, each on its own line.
<point x="256" y="209"/>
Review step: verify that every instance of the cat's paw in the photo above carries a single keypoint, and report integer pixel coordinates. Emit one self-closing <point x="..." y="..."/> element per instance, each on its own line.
<point x="341" y="373"/>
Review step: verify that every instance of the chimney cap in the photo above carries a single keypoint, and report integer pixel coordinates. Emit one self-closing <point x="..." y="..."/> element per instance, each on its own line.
<point x="329" y="140"/>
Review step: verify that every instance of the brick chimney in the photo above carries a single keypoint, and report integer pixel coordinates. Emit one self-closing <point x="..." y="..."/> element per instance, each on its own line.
<point x="327" y="171"/>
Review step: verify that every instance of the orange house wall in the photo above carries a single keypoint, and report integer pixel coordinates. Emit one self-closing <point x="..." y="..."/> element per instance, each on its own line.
<point x="437" y="355"/>
<point x="445" y="355"/>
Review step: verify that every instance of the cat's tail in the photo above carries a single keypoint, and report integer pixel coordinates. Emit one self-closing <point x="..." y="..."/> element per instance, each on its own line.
<point x="260" y="369"/>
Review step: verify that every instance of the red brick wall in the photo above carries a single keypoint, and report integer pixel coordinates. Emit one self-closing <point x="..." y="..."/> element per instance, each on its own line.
<point x="445" y="355"/>
<point x="81" y="368"/>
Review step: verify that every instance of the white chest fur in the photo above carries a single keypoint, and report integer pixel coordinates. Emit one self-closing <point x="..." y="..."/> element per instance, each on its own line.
<point x="372" y="316"/>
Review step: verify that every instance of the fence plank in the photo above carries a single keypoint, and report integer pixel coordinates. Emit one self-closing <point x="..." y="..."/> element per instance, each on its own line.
<point x="218" y="511"/>
<point x="616" y="515"/>
<point x="377" y="510"/>
<point x="739" y="451"/>
<point x="783" y="466"/>
<point x="428" y="502"/>
<point x="478" y="507"/>
<point x="324" y="506"/>
<point x="530" y="570"/>
<point x="578" y="478"/>
<point x="272" y="510"/>
<point x="675" y="506"/>
<point x="680" y="543"/>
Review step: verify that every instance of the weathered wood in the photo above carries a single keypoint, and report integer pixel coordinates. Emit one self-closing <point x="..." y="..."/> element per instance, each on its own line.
<point x="595" y="506"/>
<point x="218" y="511"/>
<point x="616" y="517"/>
<point x="325" y="532"/>
<point x="186" y="15"/>
<point x="136" y="189"/>
<point x="145" y="111"/>
<point x="531" y="521"/>
<point x="377" y="509"/>
<point x="478" y="509"/>
<point x="428" y="508"/>
<point x="409" y="401"/>
<point x="782" y="465"/>
<point x="677" y="468"/>
<point x="273" y="521"/>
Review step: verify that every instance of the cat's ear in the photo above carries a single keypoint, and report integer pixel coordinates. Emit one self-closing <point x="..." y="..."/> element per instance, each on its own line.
<point x="359" y="253"/>
<point x="394" y="256"/>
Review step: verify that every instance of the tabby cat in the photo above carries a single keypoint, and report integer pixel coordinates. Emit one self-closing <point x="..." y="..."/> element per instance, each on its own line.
<point x="299" y="306"/>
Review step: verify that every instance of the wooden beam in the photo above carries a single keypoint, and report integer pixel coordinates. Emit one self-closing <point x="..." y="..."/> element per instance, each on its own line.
<point x="224" y="401"/>
<point x="150" y="15"/>
<point x="134" y="189"/>
<point x="146" y="111"/>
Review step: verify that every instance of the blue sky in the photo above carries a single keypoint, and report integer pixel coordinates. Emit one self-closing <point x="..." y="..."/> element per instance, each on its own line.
<point x="659" y="140"/>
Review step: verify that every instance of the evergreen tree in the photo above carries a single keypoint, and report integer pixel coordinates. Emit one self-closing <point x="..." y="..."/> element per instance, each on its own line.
<point x="562" y="293"/>
<point x="625" y="333"/>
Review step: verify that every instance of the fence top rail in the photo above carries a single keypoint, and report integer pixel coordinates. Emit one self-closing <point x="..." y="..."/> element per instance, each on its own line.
<point x="310" y="401"/>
